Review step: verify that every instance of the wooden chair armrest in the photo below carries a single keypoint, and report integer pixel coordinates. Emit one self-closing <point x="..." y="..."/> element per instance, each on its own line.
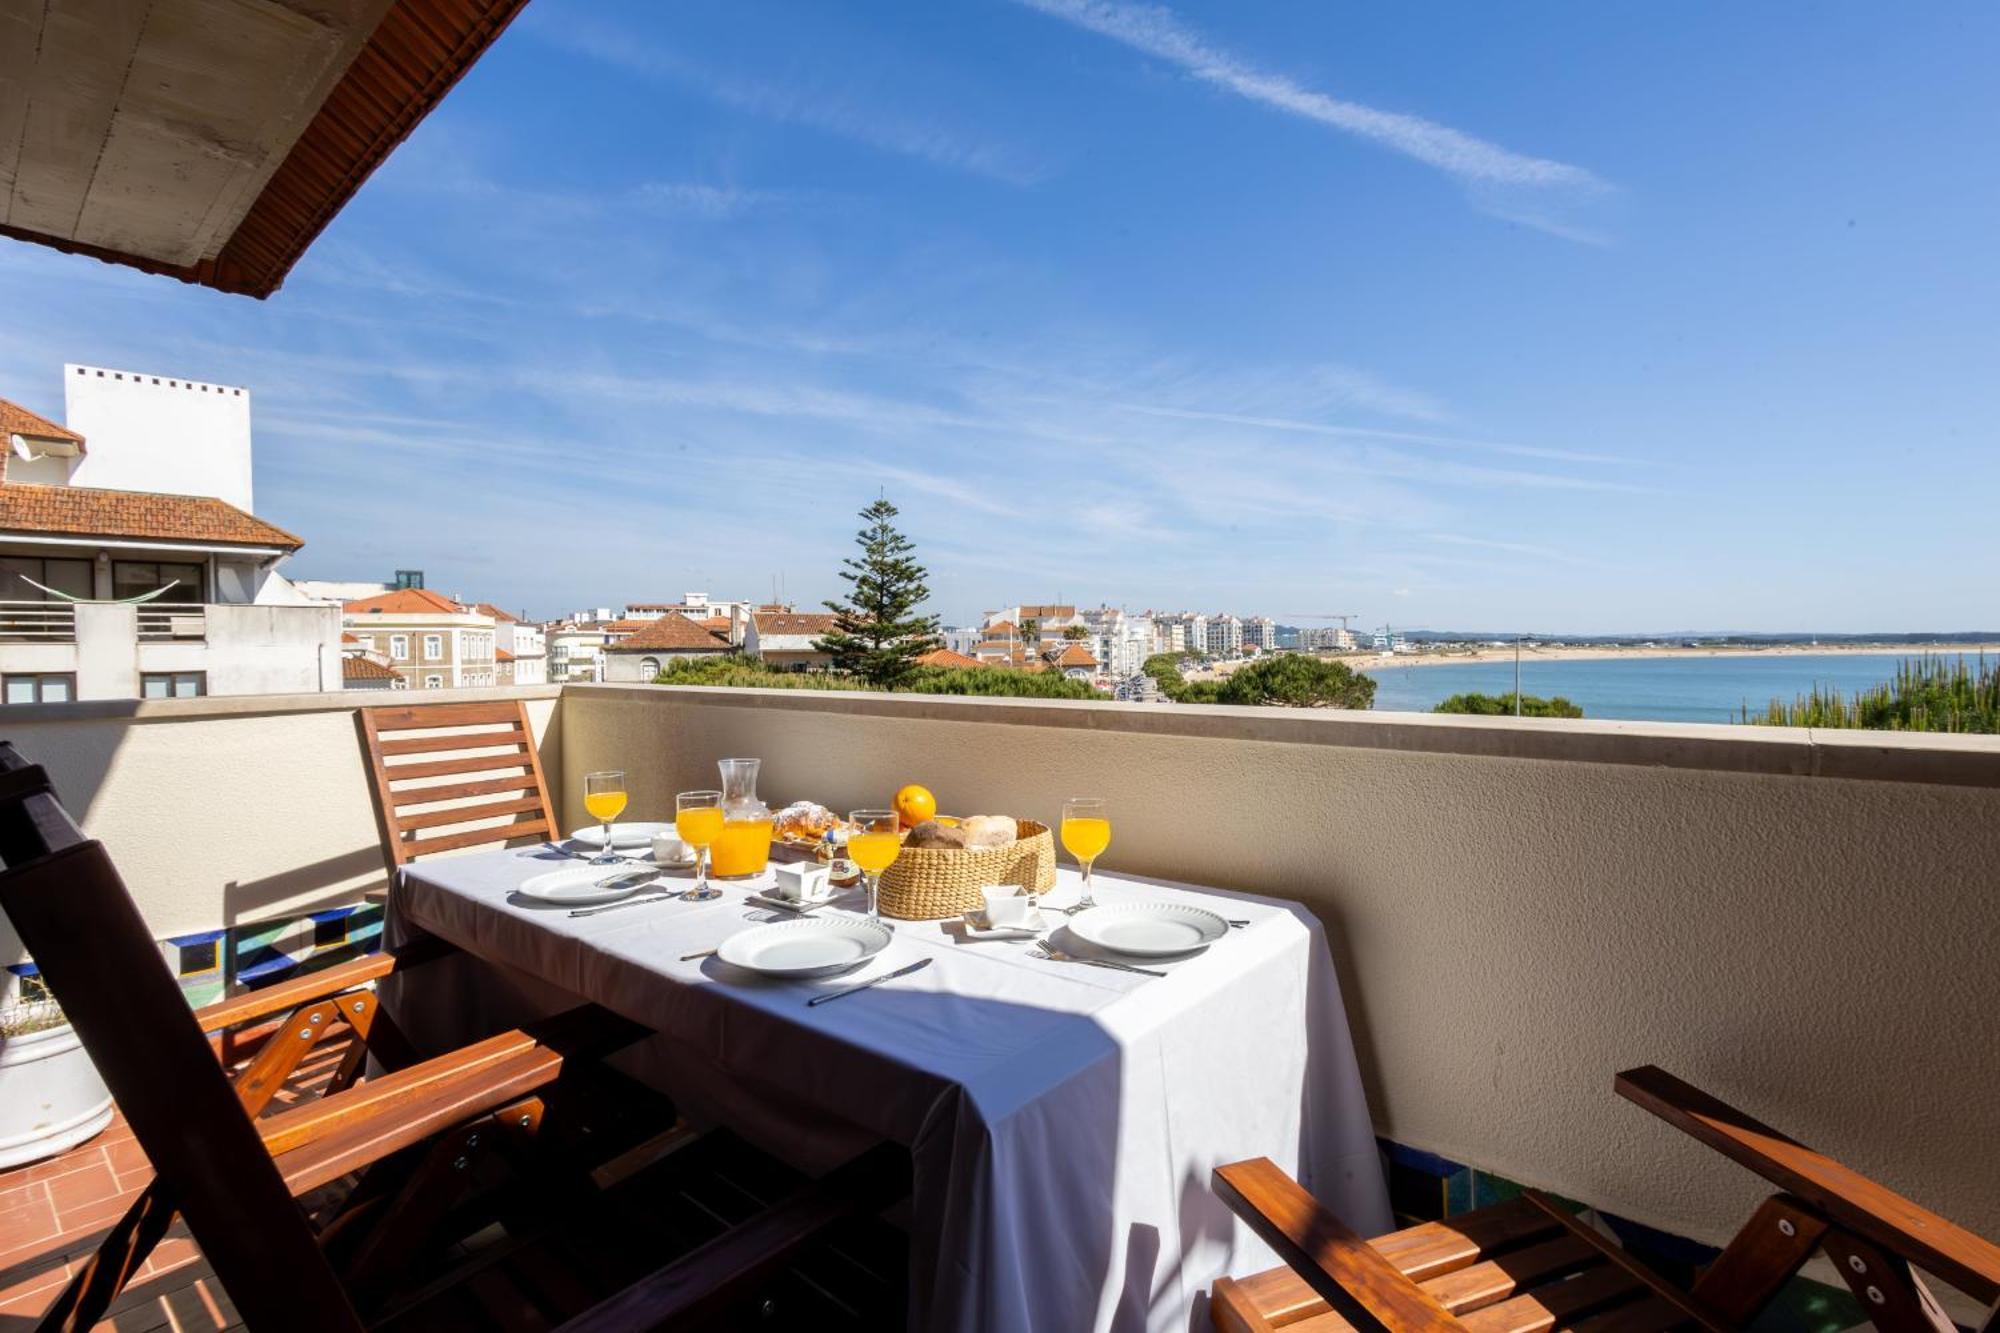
<point x="585" y="1033"/>
<point x="288" y="995"/>
<point x="704" y="1282"/>
<point x="1347" y="1272"/>
<point x="1850" y="1199"/>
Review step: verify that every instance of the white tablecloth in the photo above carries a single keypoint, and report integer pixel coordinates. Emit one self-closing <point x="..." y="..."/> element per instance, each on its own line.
<point x="1063" y="1119"/>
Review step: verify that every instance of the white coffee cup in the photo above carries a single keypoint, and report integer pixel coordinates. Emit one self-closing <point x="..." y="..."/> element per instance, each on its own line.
<point x="1006" y="905"/>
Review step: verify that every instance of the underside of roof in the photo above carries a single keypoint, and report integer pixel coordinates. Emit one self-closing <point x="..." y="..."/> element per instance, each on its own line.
<point x="212" y="140"/>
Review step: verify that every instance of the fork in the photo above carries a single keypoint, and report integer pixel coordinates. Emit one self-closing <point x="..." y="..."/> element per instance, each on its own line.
<point x="1046" y="950"/>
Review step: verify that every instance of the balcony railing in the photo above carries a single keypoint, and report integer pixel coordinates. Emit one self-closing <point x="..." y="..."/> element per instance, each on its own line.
<point x="37" y="622"/>
<point x="161" y="622"/>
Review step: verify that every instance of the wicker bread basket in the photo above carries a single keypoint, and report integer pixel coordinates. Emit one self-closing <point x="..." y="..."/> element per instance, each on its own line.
<point x="929" y="883"/>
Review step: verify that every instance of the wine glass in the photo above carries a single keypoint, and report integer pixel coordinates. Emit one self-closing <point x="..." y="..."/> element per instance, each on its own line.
<point x="604" y="797"/>
<point x="1086" y="832"/>
<point x="874" y="841"/>
<point x="698" y="819"/>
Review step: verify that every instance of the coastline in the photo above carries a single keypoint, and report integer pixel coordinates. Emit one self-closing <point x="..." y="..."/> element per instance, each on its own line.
<point x="1376" y="661"/>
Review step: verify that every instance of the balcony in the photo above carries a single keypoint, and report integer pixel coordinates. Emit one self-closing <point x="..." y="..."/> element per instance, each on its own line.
<point x="1515" y="909"/>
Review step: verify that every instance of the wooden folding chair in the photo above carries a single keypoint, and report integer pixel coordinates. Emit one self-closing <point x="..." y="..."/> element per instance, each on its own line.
<point x="419" y="1137"/>
<point x="1527" y="1266"/>
<point x="485" y="752"/>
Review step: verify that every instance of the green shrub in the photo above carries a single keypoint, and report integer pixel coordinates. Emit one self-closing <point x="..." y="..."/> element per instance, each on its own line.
<point x="1929" y="693"/>
<point x="1502" y="705"/>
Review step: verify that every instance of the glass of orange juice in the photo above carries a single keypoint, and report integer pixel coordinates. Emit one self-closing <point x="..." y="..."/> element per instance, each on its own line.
<point x="1086" y="832"/>
<point x="874" y="841"/>
<point x="604" y="797"/>
<point x="698" y="819"/>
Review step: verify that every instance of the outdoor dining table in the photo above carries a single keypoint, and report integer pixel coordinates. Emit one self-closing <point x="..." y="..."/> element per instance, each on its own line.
<point x="1063" y="1119"/>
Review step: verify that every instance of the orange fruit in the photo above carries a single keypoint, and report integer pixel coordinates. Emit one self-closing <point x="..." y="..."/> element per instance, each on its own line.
<point x="915" y="804"/>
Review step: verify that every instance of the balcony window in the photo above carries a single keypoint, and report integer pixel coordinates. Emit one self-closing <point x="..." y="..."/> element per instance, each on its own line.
<point x="134" y="578"/>
<point x="173" y="684"/>
<point x="433" y="647"/>
<point x="47" y="687"/>
<point x="70" y="576"/>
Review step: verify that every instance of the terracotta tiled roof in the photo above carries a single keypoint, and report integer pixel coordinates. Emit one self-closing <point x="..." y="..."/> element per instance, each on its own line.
<point x="794" y="624"/>
<point x="675" y="634"/>
<point x="945" y="657"/>
<point x="720" y="624"/>
<point x="1076" y="655"/>
<point x="502" y="655"/>
<point x="88" y="511"/>
<point x="1048" y="612"/>
<point x="362" y="668"/>
<point x="1000" y="627"/>
<point x="345" y="637"/>
<point x="488" y="609"/>
<point x="18" y="420"/>
<point x="406" y="602"/>
<point x="621" y="626"/>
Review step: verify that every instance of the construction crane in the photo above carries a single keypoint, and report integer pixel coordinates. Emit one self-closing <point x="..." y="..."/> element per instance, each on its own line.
<point x="1323" y="615"/>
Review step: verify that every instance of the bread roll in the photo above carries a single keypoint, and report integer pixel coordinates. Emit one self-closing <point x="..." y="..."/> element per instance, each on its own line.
<point x="991" y="831"/>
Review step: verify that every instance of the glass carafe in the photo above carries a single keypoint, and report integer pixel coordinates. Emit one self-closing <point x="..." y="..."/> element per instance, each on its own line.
<point x="745" y="845"/>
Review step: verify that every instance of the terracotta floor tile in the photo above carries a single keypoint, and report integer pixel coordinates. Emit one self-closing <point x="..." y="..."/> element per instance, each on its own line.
<point x="30" y="1222"/>
<point x="33" y="1296"/>
<point x="80" y="1158"/>
<point x="80" y="1189"/>
<point x="126" y="1156"/>
<point x="92" y="1217"/>
<point x="14" y="1196"/>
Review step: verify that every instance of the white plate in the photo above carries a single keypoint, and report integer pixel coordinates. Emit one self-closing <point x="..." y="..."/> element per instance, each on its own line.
<point x="577" y="886"/>
<point x="812" y="946"/>
<point x="628" y="835"/>
<point x="1149" y="930"/>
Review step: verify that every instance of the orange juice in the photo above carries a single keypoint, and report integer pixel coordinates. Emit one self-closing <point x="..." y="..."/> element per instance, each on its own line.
<point x="873" y="852"/>
<point x="743" y="848"/>
<point x="604" y="806"/>
<point x="699" y="825"/>
<point x="1086" y="839"/>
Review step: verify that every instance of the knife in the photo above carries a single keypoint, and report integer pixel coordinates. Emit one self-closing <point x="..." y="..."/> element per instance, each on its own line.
<point x="917" y="966"/>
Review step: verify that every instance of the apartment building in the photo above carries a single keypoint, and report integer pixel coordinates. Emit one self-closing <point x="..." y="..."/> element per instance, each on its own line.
<point x="520" y="647"/>
<point x="130" y="563"/>
<point x="1225" y="636"/>
<point x="429" y="640"/>
<point x="1182" y="632"/>
<point x="1121" y="641"/>
<point x="693" y="605"/>
<point x="1327" y="640"/>
<point x="1260" y="633"/>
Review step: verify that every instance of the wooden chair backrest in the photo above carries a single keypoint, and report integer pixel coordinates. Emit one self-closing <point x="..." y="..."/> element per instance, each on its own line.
<point x="1849" y="1200"/>
<point x="81" y="928"/>
<point x="478" y="757"/>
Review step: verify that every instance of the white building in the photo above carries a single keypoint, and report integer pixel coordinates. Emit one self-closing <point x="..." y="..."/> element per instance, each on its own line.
<point x="1260" y="633"/>
<point x="1120" y="641"/>
<point x="638" y="657"/>
<point x="1182" y="632"/>
<point x="431" y="641"/>
<point x="1225" y="636"/>
<point x="92" y="521"/>
<point x="1327" y="640"/>
<point x="787" y="640"/>
<point x="519" y="646"/>
<point x="693" y="605"/>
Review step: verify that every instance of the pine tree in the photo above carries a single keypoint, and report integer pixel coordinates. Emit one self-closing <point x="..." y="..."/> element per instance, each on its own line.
<point x="876" y="636"/>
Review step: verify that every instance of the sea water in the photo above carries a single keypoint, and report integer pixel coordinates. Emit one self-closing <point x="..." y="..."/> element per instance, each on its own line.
<point x="1659" y="689"/>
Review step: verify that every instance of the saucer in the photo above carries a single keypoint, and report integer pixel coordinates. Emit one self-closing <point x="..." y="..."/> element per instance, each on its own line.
<point x="769" y="898"/>
<point x="977" y="929"/>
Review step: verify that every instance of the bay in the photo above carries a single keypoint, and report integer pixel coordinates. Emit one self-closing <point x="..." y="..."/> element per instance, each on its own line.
<point x="1659" y="689"/>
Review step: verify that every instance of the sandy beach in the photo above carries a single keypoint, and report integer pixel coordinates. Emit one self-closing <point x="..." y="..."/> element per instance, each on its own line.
<point x="1530" y="653"/>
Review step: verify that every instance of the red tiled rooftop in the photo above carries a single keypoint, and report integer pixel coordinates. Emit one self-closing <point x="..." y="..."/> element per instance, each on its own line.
<point x="945" y="657"/>
<point x="364" y="668"/>
<point x="18" y="420"/>
<point x="405" y="602"/>
<point x="795" y="623"/>
<point x="672" y="634"/>
<point x="89" y="512"/>
<point x="488" y="609"/>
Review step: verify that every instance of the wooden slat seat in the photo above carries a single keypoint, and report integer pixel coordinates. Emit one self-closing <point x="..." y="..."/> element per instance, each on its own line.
<point x="415" y="750"/>
<point x="1529" y="1266"/>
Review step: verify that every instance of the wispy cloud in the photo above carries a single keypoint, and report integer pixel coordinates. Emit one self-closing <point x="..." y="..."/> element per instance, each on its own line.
<point x="1492" y="170"/>
<point x="803" y="100"/>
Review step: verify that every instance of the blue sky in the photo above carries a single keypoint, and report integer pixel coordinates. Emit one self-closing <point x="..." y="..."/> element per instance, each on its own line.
<point x="1560" y="317"/>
